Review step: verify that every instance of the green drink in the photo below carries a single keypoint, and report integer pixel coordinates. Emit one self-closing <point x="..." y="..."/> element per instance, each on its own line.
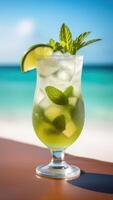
<point x="58" y="126"/>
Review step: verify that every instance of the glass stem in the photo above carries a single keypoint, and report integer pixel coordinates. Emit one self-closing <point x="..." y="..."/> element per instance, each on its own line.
<point x="57" y="160"/>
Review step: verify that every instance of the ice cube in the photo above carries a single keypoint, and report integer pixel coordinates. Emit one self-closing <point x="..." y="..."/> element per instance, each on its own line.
<point x="53" y="111"/>
<point x="68" y="64"/>
<point x="66" y="68"/>
<point x="78" y="63"/>
<point x="70" y="129"/>
<point x="47" y="66"/>
<point x="63" y="75"/>
<point x="76" y="79"/>
<point x="40" y="96"/>
<point x="62" y="67"/>
<point x="44" y="103"/>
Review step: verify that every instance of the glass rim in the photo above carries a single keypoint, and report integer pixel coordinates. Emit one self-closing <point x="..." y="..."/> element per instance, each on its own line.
<point x="63" y="57"/>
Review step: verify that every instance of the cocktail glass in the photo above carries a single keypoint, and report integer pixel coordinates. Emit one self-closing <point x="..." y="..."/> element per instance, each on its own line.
<point x="58" y="123"/>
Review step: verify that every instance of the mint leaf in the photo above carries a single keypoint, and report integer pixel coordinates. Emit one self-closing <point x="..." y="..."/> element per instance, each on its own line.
<point x="81" y="37"/>
<point x="68" y="91"/>
<point x="59" y="122"/>
<point x="89" y="42"/>
<point x="78" y="41"/>
<point x="55" y="95"/>
<point x="65" y="36"/>
<point x="63" y="44"/>
<point x="52" y="42"/>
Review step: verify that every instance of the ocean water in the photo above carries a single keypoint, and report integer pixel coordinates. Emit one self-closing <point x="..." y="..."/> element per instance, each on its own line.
<point x="17" y="91"/>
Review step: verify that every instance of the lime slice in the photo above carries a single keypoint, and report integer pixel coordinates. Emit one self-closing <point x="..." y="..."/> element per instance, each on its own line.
<point x="30" y="58"/>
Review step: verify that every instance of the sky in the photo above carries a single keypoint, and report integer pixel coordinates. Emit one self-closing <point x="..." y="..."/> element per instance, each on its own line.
<point x="24" y="23"/>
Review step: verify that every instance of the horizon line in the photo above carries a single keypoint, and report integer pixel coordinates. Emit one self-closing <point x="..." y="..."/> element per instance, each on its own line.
<point x="88" y="64"/>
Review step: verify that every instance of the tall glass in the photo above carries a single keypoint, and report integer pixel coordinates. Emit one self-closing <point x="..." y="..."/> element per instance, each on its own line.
<point x="58" y="123"/>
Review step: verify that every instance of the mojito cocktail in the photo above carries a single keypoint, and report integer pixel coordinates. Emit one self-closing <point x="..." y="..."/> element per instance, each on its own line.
<point x="58" y="108"/>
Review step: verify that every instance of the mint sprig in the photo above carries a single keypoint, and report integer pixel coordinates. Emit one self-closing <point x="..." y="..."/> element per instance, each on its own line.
<point x="67" y="44"/>
<point x="56" y="95"/>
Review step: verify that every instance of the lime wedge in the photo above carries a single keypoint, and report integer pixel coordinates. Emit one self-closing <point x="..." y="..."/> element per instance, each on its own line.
<point x="30" y="58"/>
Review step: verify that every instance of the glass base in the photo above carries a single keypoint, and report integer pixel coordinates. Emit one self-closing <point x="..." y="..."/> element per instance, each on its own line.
<point x="58" y="172"/>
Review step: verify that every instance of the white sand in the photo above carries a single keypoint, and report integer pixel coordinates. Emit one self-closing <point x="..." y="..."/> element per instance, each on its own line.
<point x="96" y="140"/>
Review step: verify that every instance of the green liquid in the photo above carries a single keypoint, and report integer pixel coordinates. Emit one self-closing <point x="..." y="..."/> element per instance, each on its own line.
<point x="50" y="131"/>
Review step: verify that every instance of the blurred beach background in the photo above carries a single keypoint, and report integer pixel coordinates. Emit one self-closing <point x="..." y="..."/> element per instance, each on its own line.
<point x="23" y="24"/>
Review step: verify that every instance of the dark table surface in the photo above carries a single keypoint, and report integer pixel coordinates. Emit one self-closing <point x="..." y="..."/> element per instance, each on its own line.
<point x="19" y="182"/>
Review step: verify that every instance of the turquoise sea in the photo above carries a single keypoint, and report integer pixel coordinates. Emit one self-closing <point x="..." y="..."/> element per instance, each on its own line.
<point x="17" y="91"/>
